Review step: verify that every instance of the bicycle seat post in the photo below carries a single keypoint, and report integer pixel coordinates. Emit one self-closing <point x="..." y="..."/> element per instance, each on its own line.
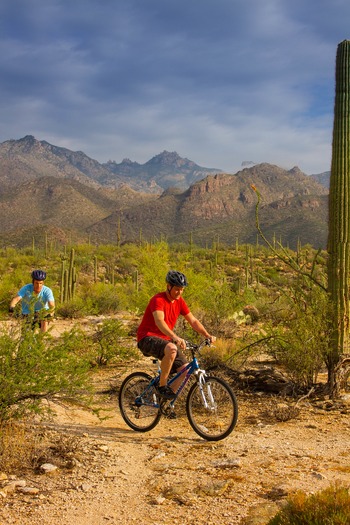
<point x="156" y="362"/>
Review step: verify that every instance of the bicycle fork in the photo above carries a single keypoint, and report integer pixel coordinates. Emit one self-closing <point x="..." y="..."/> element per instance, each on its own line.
<point x="205" y="391"/>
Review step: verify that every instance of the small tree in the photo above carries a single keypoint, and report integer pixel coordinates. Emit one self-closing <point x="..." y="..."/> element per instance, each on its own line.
<point x="34" y="369"/>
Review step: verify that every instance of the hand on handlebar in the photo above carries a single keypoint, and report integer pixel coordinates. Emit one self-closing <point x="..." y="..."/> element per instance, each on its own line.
<point x="181" y="343"/>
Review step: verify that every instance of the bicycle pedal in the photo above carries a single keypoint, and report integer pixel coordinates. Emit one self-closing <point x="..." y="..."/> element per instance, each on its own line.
<point x="168" y="411"/>
<point x="171" y="415"/>
<point x="164" y="406"/>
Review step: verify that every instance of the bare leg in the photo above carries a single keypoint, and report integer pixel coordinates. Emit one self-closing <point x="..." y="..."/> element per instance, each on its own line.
<point x="175" y="385"/>
<point x="44" y="326"/>
<point x="167" y="362"/>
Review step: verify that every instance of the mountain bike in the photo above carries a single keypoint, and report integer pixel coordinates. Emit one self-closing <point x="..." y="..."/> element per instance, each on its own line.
<point x="211" y="405"/>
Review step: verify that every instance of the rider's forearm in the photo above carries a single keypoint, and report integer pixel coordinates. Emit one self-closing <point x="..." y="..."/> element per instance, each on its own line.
<point x="14" y="301"/>
<point x="198" y="327"/>
<point x="51" y="307"/>
<point x="164" y="328"/>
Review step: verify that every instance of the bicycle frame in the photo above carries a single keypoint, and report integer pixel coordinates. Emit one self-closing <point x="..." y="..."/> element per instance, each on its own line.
<point x="191" y="368"/>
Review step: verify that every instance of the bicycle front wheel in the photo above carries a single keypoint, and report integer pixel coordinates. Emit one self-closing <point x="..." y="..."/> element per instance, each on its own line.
<point x="212" y="408"/>
<point x="138" y="402"/>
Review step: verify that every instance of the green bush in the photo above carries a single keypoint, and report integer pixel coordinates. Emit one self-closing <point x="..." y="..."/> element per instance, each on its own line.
<point x="101" y="298"/>
<point x="328" y="507"/>
<point x="153" y="265"/>
<point x="73" y="309"/>
<point x="111" y="344"/>
<point x="35" y="367"/>
<point x="77" y="341"/>
<point x="299" y="340"/>
<point x="214" y="296"/>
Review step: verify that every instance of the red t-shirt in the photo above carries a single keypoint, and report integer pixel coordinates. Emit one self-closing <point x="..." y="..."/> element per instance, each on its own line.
<point x="172" y="310"/>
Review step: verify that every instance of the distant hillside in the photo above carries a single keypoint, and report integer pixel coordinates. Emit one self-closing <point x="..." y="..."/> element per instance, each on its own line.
<point x="48" y="188"/>
<point x="293" y="206"/>
<point x="53" y="203"/>
<point x="322" y="178"/>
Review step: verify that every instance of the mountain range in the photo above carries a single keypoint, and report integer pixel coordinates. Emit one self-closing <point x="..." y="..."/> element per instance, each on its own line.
<point x="46" y="188"/>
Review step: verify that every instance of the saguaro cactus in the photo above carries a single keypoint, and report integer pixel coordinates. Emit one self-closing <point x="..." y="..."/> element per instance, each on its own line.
<point x="339" y="211"/>
<point x="68" y="279"/>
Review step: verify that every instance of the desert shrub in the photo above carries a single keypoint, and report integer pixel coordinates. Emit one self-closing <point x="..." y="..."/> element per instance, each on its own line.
<point x="297" y="330"/>
<point x="35" y="367"/>
<point x="101" y="298"/>
<point x="16" y="446"/>
<point x="211" y="300"/>
<point x="127" y="296"/>
<point x="83" y="253"/>
<point x="330" y="506"/>
<point x="77" y="341"/>
<point x="110" y="343"/>
<point x="295" y="351"/>
<point x="216" y="355"/>
<point x="73" y="309"/>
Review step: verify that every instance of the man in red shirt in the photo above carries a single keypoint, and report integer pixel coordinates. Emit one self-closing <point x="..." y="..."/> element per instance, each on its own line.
<point x="155" y="335"/>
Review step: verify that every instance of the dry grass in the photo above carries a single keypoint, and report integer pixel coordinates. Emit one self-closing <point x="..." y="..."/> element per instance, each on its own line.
<point x="331" y="505"/>
<point x="16" y="447"/>
<point x="216" y="354"/>
<point x="25" y="447"/>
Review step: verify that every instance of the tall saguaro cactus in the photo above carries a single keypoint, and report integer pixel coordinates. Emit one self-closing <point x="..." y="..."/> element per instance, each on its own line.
<point x="68" y="279"/>
<point x="339" y="211"/>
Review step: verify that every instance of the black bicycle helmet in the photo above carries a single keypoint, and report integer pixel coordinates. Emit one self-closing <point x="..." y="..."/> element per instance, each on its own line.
<point x="39" y="275"/>
<point x="176" y="278"/>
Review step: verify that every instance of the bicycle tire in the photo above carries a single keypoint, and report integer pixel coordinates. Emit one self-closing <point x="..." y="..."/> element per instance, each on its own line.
<point x="141" y="416"/>
<point x="218" y="419"/>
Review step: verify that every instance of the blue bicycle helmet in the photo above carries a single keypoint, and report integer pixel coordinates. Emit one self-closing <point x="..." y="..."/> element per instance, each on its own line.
<point x="39" y="275"/>
<point x="176" y="278"/>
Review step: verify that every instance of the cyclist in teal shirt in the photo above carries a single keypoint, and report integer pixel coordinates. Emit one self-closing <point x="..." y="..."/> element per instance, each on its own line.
<point x="37" y="300"/>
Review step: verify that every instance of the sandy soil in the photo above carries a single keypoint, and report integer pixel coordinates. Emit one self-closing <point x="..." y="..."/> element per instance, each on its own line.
<point x="171" y="475"/>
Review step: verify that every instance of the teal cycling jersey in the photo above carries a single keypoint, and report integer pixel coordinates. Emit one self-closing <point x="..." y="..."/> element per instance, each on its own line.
<point x="32" y="302"/>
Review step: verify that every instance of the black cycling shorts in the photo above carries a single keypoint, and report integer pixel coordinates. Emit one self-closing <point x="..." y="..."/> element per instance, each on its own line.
<point x="154" y="347"/>
<point x="35" y="319"/>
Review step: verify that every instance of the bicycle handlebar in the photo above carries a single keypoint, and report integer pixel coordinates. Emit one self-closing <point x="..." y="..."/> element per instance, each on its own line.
<point x="197" y="347"/>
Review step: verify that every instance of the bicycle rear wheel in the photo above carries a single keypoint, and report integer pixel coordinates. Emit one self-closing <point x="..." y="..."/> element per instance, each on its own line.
<point x="138" y="402"/>
<point x="212" y="408"/>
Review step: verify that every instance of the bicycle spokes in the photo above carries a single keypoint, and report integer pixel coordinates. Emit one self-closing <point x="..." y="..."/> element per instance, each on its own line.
<point x="138" y="402"/>
<point x="212" y="408"/>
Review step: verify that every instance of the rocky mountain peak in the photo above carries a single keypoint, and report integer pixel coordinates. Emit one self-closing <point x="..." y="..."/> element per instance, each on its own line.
<point x="28" y="139"/>
<point x="295" y="171"/>
<point x="170" y="159"/>
<point x="25" y="144"/>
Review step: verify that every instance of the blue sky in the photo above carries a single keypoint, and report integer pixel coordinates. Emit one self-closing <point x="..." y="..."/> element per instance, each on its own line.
<point x="219" y="81"/>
